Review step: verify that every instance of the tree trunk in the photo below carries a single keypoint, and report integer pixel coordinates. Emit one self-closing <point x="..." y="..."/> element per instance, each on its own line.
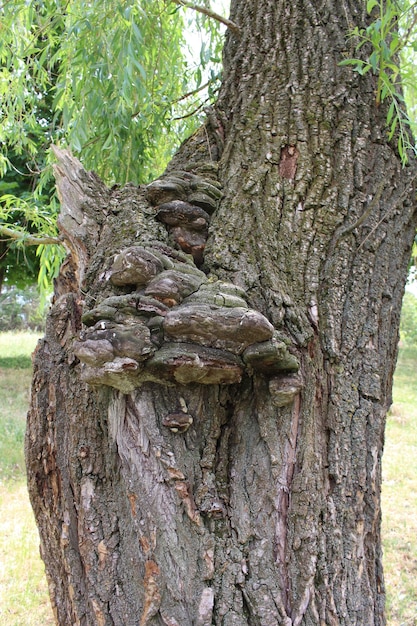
<point x="205" y="436"/>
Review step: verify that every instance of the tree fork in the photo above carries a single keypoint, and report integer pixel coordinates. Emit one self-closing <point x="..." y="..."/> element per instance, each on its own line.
<point x="182" y="471"/>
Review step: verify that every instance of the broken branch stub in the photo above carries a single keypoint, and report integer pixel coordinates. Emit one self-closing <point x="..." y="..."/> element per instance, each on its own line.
<point x="78" y="191"/>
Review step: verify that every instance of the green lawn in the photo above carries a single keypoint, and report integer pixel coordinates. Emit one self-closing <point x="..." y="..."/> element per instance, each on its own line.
<point x="24" y="597"/>
<point x="399" y="495"/>
<point x="15" y="375"/>
<point x="23" y="589"/>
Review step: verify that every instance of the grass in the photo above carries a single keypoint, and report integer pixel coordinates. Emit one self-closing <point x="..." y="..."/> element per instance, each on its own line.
<point x="15" y="348"/>
<point x="24" y="597"/>
<point x="23" y="590"/>
<point x="399" y="495"/>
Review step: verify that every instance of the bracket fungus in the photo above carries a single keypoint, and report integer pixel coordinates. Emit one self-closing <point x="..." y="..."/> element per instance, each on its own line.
<point x="172" y="286"/>
<point x="227" y="328"/>
<point x="177" y="326"/>
<point x="284" y="388"/>
<point x="181" y="185"/>
<point x="135" y="266"/>
<point x="184" y="203"/>
<point x="270" y="357"/>
<point x="180" y="213"/>
<point x="187" y="363"/>
<point x="178" y="422"/>
<point x="131" y="339"/>
<point x="166" y="189"/>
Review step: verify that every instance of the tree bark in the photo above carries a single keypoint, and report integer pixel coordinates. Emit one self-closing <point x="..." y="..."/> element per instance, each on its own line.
<point x="184" y="471"/>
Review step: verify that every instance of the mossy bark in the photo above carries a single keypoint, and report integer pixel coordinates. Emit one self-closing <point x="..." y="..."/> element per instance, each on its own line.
<point x="264" y="511"/>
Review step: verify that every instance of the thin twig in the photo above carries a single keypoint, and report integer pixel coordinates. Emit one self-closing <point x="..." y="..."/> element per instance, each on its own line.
<point x="215" y="16"/>
<point x="191" y="113"/>
<point x="183" y="97"/>
<point x="409" y="30"/>
<point x="191" y="93"/>
<point x="28" y="240"/>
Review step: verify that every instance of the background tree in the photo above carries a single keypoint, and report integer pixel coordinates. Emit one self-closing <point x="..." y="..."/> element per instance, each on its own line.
<point x="409" y="319"/>
<point x="204" y="445"/>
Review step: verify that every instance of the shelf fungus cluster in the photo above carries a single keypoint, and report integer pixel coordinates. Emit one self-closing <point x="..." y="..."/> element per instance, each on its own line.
<point x="184" y="203"/>
<point x="177" y="326"/>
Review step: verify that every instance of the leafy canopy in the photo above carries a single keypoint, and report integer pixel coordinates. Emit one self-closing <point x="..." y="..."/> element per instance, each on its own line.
<point x="112" y="80"/>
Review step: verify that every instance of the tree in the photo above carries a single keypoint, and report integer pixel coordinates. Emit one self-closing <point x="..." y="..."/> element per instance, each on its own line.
<point x="205" y="436"/>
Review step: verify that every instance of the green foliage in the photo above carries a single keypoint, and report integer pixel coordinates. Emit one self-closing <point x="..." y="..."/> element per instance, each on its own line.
<point x="27" y="126"/>
<point x="25" y="213"/>
<point x="109" y="80"/>
<point x="205" y="53"/>
<point x="111" y="73"/>
<point x="121" y="66"/>
<point x="390" y="41"/>
<point x="408" y="327"/>
<point x="21" y="265"/>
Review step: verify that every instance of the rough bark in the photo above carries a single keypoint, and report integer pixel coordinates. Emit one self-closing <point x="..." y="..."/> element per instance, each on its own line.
<point x="185" y="473"/>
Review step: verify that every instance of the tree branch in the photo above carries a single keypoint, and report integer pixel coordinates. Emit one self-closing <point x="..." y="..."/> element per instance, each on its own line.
<point x="215" y="16"/>
<point x="191" y="93"/>
<point x="193" y="112"/>
<point x="29" y="240"/>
